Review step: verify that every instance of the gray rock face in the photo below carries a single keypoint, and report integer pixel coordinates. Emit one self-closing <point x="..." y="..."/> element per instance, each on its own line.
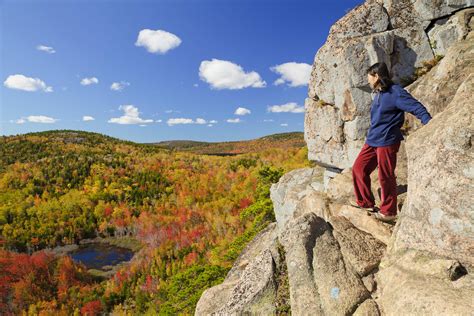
<point x="367" y="308"/>
<point x="448" y="30"/>
<point x="324" y="264"/>
<point x="437" y="88"/>
<point x="339" y="287"/>
<point x="289" y="192"/>
<point x="411" y="48"/>
<point x="381" y="231"/>
<point x="417" y="283"/>
<point x="256" y="290"/>
<point x="250" y="286"/>
<point x="298" y="238"/>
<point x="341" y="186"/>
<point x="405" y="13"/>
<point x="438" y="214"/>
<point x="365" y="19"/>
<point x="337" y="110"/>
<point x="359" y="248"/>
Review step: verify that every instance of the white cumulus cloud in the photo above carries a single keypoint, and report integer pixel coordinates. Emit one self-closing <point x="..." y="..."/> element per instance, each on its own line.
<point x="46" y="49"/>
<point x="292" y="73"/>
<point x="242" y="111"/>
<point x="290" y="107"/>
<point x="86" y="118"/>
<point x="223" y="74"/>
<point x="35" y="119"/>
<point x="21" y="82"/>
<point x="182" y="120"/>
<point x="89" y="81"/>
<point x="41" y="119"/>
<point x="119" y="86"/>
<point x="131" y="116"/>
<point x="236" y="120"/>
<point x="179" y="120"/>
<point x="284" y="124"/>
<point x="157" y="41"/>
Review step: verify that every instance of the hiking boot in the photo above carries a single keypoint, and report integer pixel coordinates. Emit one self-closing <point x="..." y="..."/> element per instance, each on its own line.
<point x="385" y="218"/>
<point x="372" y="209"/>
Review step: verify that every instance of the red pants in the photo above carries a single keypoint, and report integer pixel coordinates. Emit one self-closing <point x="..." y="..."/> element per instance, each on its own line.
<point x="366" y="162"/>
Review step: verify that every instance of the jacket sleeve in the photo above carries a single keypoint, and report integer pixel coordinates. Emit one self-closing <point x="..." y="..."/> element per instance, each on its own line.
<point x="408" y="103"/>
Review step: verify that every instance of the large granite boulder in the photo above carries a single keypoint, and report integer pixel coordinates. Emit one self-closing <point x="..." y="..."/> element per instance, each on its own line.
<point x="251" y="285"/>
<point x="437" y="88"/>
<point x="362" y="250"/>
<point x="380" y="231"/>
<point x="404" y="13"/>
<point x="324" y="269"/>
<point x="367" y="18"/>
<point x="289" y="193"/>
<point x="255" y="292"/>
<point x="298" y="239"/>
<point x="439" y="213"/>
<point x="449" y="30"/>
<point x="340" y="288"/>
<point x="415" y="282"/>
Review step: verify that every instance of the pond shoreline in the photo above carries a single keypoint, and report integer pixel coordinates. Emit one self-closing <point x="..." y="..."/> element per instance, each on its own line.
<point x="124" y="242"/>
<point x="107" y="271"/>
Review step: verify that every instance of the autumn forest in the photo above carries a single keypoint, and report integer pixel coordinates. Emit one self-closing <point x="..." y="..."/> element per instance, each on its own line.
<point x="188" y="208"/>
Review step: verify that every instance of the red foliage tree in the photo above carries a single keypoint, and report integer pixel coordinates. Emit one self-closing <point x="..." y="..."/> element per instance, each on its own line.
<point x="92" y="308"/>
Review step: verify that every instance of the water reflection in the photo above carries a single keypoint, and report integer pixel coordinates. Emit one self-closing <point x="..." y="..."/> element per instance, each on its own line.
<point x="99" y="255"/>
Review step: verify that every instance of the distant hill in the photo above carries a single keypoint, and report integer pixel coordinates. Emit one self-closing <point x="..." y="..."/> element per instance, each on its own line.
<point x="285" y="140"/>
<point x="34" y="147"/>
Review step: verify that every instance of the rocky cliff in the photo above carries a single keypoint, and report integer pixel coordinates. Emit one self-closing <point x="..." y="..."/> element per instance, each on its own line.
<point x="324" y="257"/>
<point x="404" y="34"/>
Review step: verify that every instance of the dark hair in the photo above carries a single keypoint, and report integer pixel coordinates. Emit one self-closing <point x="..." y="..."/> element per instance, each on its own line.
<point x="384" y="75"/>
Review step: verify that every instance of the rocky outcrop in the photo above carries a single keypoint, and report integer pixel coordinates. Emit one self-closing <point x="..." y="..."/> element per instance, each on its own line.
<point x="418" y="283"/>
<point x="251" y="285"/>
<point x="429" y="260"/>
<point x="396" y="32"/>
<point x="288" y="195"/>
<point x="340" y="260"/>
<point x="361" y="249"/>
<point x="325" y="264"/>
<point x="298" y="239"/>
<point x="446" y="31"/>
<point x="437" y="88"/>
<point x="440" y="220"/>
<point x="405" y="13"/>
<point x="340" y="288"/>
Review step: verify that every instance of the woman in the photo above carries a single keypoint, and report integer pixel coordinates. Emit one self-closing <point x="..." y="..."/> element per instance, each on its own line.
<point x="387" y="114"/>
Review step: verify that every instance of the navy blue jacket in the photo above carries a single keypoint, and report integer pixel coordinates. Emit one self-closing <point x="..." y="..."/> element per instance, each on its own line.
<point x="387" y="114"/>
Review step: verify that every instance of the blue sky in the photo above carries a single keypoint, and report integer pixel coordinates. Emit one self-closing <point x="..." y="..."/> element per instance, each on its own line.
<point x="149" y="71"/>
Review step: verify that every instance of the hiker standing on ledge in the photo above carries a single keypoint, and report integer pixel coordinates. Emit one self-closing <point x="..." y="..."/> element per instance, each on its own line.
<point x="387" y="114"/>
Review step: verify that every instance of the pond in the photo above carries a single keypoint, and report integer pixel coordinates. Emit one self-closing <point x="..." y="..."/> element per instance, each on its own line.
<point x="100" y="255"/>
